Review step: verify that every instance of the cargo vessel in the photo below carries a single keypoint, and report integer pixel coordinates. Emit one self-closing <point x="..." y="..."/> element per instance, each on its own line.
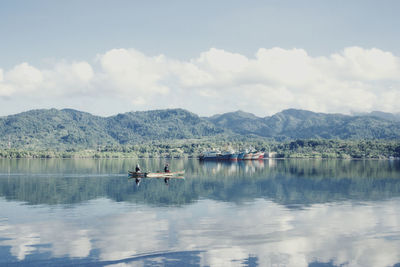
<point x="231" y="155"/>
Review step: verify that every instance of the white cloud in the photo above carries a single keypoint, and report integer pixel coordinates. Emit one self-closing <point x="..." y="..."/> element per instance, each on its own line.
<point x="6" y="90"/>
<point x="62" y="79"/>
<point x="285" y="67"/>
<point x="354" y="79"/>
<point x="77" y="71"/>
<point x="222" y="61"/>
<point x="68" y="78"/>
<point x="22" y="78"/>
<point x="132" y="72"/>
<point x="366" y="64"/>
<point x="139" y="101"/>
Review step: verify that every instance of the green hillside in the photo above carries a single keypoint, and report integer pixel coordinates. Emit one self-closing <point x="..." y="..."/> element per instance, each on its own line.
<point x="63" y="129"/>
<point x="158" y="125"/>
<point x="302" y="124"/>
<point x="71" y="129"/>
<point x="54" y="128"/>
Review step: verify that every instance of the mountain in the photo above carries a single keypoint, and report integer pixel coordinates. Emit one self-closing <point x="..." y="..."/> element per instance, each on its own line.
<point x="67" y="128"/>
<point x="306" y="124"/>
<point x="238" y="122"/>
<point x="52" y="128"/>
<point x="294" y="124"/>
<point x="159" y="124"/>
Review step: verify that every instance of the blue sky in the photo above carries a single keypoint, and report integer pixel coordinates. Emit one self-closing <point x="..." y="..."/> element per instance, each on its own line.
<point x="42" y="42"/>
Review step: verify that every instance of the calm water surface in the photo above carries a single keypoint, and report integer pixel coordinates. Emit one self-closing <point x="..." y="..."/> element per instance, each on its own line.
<point x="264" y="213"/>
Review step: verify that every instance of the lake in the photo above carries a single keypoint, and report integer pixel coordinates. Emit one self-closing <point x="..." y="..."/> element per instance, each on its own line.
<point x="255" y="213"/>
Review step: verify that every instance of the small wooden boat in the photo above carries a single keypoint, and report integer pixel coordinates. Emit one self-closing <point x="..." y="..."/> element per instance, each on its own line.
<point x="164" y="174"/>
<point x="166" y="177"/>
<point x="156" y="174"/>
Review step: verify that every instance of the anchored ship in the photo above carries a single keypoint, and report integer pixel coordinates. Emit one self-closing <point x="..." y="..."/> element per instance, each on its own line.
<point x="210" y="155"/>
<point x="231" y="155"/>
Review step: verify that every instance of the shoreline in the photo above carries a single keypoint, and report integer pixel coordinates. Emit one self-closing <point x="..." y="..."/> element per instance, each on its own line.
<point x="195" y="157"/>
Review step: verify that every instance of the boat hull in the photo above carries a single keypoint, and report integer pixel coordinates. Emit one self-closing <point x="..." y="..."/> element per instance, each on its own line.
<point x="228" y="156"/>
<point x="164" y="174"/>
<point x="241" y="156"/>
<point x="248" y="156"/>
<point x="209" y="157"/>
<point x="138" y="174"/>
<point x="234" y="156"/>
<point x="257" y="155"/>
<point x="155" y="174"/>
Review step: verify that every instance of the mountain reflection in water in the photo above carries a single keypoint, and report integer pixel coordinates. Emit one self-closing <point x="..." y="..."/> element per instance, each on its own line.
<point x="272" y="212"/>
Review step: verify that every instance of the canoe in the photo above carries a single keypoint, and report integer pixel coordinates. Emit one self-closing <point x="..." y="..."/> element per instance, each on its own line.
<point x="164" y="174"/>
<point x="156" y="174"/>
<point x="138" y="174"/>
<point x="166" y="177"/>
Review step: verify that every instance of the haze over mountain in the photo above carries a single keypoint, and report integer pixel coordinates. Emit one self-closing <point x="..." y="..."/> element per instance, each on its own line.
<point x="380" y="114"/>
<point x="67" y="128"/>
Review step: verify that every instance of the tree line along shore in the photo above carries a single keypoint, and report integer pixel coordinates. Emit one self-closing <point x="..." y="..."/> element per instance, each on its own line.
<point x="300" y="148"/>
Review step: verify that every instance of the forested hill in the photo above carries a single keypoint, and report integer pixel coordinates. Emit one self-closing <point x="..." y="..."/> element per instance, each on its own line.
<point x="295" y="124"/>
<point x="71" y="128"/>
<point x="52" y="128"/>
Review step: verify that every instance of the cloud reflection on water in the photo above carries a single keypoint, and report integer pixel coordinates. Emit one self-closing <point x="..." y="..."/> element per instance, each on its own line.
<point x="354" y="234"/>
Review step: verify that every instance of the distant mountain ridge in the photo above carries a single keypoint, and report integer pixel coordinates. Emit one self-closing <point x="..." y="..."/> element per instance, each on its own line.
<point x="295" y="123"/>
<point x="53" y="128"/>
<point x="380" y="114"/>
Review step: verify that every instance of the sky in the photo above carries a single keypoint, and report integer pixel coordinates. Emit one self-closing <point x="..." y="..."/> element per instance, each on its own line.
<point x="209" y="57"/>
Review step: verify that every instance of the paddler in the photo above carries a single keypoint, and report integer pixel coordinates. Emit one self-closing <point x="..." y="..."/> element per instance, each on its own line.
<point x="137" y="168"/>
<point x="166" y="167"/>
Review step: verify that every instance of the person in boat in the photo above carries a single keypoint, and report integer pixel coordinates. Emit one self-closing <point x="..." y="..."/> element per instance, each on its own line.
<point x="137" y="169"/>
<point x="166" y="167"/>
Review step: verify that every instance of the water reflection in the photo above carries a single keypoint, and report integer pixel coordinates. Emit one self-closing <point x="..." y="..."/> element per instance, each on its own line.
<point x="267" y="213"/>
<point x="293" y="183"/>
<point x="341" y="233"/>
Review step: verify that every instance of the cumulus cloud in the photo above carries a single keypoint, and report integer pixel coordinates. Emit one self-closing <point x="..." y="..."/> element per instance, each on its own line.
<point x="60" y="80"/>
<point x="24" y="76"/>
<point x="366" y="64"/>
<point x="354" y="79"/>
